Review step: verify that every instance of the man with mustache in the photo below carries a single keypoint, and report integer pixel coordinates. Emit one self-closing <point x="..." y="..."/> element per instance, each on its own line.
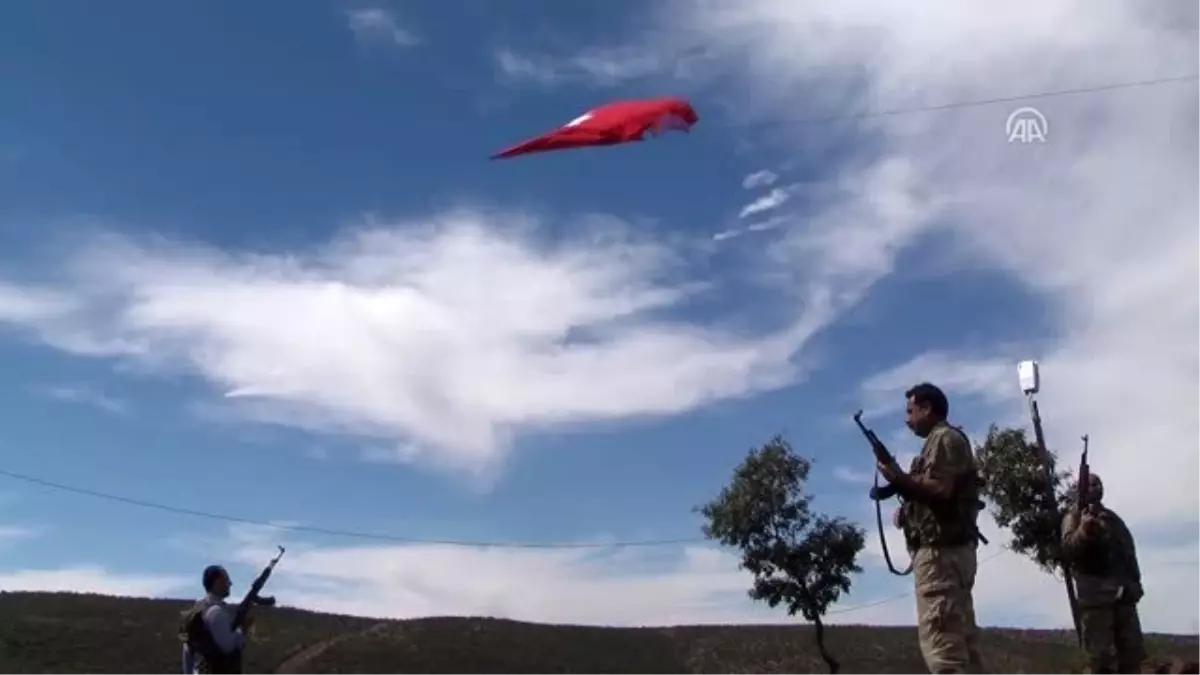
<point x="941" y="507"/>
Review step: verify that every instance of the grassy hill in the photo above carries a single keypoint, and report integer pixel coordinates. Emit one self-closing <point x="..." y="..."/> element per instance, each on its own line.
<point x="70" y="633"/>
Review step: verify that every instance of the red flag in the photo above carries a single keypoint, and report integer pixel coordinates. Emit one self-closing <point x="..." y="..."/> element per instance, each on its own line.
<point x="610" y="124"/>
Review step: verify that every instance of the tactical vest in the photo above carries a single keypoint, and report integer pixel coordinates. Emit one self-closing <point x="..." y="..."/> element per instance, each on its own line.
<point x="195" y="634"/>
<point x="952" y="523"/>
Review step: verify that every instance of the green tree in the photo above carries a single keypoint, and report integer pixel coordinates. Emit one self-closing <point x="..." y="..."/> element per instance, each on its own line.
<point x="799" y="558"/>
<point x="1026" y="496"/>
<point x="1029" y="496"/>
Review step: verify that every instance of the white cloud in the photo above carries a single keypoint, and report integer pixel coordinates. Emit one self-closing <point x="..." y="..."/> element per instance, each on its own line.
<point x="770" y="201"/>
<point x="761" y="226"/>
<point x="18" y="304"/>
<point x="10" y="533"/>
<point x="631" y="587"/>
<point x="991" y="379"/>
<point x="1011" y="591"/>
<point x="557" y="587"/>
<point x="765" y="225"/>
<point x="694" y="584"/>
<point x="84" y="395"/>
<point x="1067" y="383"/>
<point x="93" y="579"/>
<point x="595" y="66"/>
<point x="651" y="53"/>
<point x="442" y="339"/>
<point x="851" y="475"/>
<point x="759" y="179"/>
<point x="376" y="24"/>
<point x="1099" y="223"/>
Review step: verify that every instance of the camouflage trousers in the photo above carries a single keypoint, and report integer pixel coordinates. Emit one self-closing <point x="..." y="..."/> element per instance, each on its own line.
<point x="944" y="580"/>
<point x="1112" y="638"/>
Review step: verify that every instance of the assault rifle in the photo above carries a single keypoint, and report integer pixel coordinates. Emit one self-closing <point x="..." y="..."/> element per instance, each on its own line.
<point x="252" y="596"/>
<point x="879" y="494"/>
<point x="1085" y="477"/>
<point x="882" y="455"/>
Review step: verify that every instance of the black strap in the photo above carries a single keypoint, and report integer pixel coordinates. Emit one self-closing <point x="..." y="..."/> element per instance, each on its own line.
<point x="887" y="556"/>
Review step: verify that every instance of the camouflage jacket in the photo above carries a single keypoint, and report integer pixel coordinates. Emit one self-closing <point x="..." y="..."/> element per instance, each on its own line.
<point x="1103" y="559"/>
<point x="946" y="454"/>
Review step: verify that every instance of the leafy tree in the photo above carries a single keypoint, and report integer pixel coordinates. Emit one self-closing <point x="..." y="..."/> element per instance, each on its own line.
<point x="1029" y="496"/>
<point x="798" y="558"/>
<point x="1019" y="488"/>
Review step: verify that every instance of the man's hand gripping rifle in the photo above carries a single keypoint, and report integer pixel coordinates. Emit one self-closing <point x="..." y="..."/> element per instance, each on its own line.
<point x="252" y="596"/>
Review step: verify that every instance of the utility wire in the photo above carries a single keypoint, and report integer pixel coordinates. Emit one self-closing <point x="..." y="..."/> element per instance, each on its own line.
<point x="158" y="506"/>
<point x="413" y="540"/>
<point x="973" y="103"/>
<point x="337" y="532"/>
<point x="903" y="595"/>
<point x="393" y="538"/>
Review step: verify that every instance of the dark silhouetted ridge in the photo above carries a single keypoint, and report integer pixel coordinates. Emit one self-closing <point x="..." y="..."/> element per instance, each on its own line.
<point x="73" y="633"/>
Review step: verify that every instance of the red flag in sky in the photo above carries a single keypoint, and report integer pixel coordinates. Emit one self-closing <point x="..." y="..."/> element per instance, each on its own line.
<point x="610" y="124"/>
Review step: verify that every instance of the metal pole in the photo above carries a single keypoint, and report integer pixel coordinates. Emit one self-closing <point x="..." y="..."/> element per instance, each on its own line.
<point x="1052" y="507"/>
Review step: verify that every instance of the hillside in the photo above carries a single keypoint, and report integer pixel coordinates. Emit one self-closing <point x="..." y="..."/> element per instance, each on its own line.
<point x="69" y="633"/>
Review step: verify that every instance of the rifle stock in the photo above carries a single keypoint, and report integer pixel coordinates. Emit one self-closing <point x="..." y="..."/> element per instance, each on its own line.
<point x="252" y="596"/>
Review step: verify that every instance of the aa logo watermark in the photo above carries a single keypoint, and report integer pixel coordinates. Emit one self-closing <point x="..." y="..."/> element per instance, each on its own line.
<point x="1027" y="125"/>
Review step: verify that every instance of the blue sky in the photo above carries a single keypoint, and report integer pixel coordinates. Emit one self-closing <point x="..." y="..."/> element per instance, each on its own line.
<point x="291" y="203"/>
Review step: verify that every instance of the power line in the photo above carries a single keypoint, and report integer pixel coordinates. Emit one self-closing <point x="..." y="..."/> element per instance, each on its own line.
<point x="903" y="595"/>
<point x="406" y="540"/>
<point x="973" y="103"/>
<point x="445" y="542"/>
<point x="158" y="506"/>
<point x="337" y="532"/>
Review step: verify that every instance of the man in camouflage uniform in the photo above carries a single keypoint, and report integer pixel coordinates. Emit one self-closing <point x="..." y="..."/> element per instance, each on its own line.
<point x="1108" y="583"/>
<point x="941" y="493"/>
<point x="210" y="642"/>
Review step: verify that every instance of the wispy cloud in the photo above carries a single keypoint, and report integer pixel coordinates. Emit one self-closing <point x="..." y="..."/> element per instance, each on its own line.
<point x="768" y="202"/>
<point x="84" y="395"/>
<point x="391" y="332"/>
<point x="992" y="379"/>
<point x="94" y="579"/>
<point x="1123" y="307"/>
<point x="696" y="584"/>
<point x="378" y="25"/>
<point x="10" y="533"/>
<point x="759" y="179"/>
<point x="19" y="304"/>
<point x="761" y="226"/>
<point x="846" y="474"/>
<point x="599" y="66"/>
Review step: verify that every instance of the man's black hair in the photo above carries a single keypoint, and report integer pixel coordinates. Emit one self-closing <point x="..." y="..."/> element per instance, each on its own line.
<point x="211" y="574"/>
<point x="926" y="394"/>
